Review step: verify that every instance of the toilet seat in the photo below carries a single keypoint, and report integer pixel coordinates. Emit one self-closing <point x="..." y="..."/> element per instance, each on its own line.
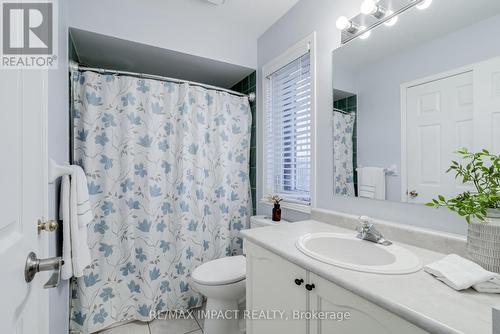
<point x="222" y="271"/>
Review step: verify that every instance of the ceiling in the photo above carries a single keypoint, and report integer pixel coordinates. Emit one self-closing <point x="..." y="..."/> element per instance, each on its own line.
<point x="247" y="17"/>
<point x="227" y="32"/>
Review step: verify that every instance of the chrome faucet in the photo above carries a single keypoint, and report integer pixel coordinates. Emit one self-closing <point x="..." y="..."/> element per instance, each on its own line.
<point x="367" y="231"/>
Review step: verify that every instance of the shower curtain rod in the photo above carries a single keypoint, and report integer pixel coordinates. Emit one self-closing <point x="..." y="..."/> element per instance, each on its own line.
<point x="74" y="66"/>
<point x="341" y="111"/>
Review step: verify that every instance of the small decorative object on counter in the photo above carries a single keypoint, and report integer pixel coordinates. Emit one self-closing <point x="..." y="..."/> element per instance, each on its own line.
<point x="275" y="199"/>
<point x="481" y="208"/>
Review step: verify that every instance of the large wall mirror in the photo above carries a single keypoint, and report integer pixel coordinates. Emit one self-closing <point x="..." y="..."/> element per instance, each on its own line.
<point x="409" y="96"/>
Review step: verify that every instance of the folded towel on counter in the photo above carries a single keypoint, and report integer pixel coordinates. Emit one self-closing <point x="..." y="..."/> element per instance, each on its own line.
<point x="491" y="286"/>
<point x="76" y="214"/>
<point x="371" y="182"/>
<point x="461" y="274"/>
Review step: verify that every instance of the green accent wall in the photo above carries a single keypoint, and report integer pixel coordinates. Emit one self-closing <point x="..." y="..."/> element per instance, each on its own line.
<point x="246" y="86"/>
<point x="72" y="53"/>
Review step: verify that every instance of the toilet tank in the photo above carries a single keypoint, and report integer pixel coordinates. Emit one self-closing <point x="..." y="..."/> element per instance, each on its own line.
<point x="263" y="221"/>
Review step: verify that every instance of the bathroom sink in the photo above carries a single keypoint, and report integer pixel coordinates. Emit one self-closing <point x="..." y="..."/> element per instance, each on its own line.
<point x="349" y="252"/>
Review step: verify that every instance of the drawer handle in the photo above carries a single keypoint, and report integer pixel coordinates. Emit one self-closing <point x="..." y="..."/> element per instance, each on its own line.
<point x="309" y="287"/>
<point x="299" y="281"/>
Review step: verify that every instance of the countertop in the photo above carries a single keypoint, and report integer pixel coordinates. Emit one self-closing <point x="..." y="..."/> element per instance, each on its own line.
<point x="418" y="298"/>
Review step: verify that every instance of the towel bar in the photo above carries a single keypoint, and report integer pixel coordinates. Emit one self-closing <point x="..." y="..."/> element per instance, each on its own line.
<point x="391" y="170"/>
<point x="56" y="171"/>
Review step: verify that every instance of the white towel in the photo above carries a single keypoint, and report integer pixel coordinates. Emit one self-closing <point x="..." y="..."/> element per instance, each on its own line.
<point x="371" y="182"/>
<point x="490" y="286"/>
<point x="366" y="191"/>
<point x="82" y="197"/>
<point x="76" y="214"/>
<point x="67" y="268"/>
<point x="461" y="274"/>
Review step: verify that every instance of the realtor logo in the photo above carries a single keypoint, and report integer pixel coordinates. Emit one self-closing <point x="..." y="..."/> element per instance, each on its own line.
<point x="28" y="31"/>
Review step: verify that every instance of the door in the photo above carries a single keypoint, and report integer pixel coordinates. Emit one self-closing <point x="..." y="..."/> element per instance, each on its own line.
<point x="271" y="285"/>
<point x="23" y="307"/>
<point x="342" y="312"/>
<point x="487" y="105"/>
<point x="439" y="121"/>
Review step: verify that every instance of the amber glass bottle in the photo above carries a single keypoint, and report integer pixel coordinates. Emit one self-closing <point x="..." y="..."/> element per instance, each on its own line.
<point x="276" y="213"/>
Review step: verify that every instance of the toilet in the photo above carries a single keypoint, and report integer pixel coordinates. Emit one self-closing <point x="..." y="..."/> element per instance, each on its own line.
<point x="223" y="281"/>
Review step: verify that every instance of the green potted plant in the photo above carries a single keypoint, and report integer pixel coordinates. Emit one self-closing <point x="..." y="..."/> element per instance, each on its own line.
<point x="481" y="207"/>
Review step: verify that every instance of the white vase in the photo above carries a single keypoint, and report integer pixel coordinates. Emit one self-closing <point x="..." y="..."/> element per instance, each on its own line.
<point x="483" y="241"/>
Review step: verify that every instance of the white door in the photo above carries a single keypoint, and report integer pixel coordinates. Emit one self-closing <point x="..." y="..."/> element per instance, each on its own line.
<point x="23" y="307"/>
<point x="487" y="105"/>
<point x="439" y="121"/>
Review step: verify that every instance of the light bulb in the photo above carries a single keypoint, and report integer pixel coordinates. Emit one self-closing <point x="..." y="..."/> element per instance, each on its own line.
<point x="343" y="23"/>
<point x="424" y="4"/>
<point x="366" y="34"/>
<point x="392" y="21"/>
<point x="368" y="7"/>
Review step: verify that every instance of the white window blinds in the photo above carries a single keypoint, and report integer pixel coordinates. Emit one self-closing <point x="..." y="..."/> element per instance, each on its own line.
<point x="288" y="131"/>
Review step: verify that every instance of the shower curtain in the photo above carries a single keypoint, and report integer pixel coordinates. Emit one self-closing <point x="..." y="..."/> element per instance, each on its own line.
<point x="343" y="153"/>
<point x="167" y="169"/>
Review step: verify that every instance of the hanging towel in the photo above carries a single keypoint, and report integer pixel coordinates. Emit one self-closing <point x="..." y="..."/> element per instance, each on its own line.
<point x="82" y="196"/>
<point x="461" y="274"/>
<point x="67" y="268"/>
<point x="371" y="182"/>
<point x="76" y="214"/>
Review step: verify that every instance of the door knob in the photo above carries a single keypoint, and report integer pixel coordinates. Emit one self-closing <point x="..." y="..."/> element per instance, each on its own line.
<point x="35" y="265"/>
<point x="47" y="226"/>
<point x="413" y="194"/>
<point x="309" y="287"/>
<point x="299" y="281"/>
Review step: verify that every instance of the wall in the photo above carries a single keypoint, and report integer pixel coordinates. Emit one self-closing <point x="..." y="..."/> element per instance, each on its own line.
<point x="320" y="16"/>
<point x="247" y="86"/>
<point x="58" y="149"/>
<point x="157" y="23"/>
<point x="378" y="87"/>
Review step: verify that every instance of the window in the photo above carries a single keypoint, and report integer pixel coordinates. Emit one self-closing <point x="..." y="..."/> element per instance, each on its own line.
<point x="288" y="86"/>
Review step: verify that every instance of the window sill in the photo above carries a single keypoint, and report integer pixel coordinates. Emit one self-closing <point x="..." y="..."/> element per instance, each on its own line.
<point x="304" y="208"/>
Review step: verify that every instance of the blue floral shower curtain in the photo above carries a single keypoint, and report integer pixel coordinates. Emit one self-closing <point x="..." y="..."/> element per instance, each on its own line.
<point x="167" y="169"/>
<point x="343" y="153"/>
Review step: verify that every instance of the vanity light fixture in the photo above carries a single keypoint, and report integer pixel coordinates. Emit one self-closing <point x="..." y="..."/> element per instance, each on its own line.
<point x="375" y="13"/>
<point x="371" y="7"/>
<point x="366" y="34"/>
<point x="424" y="4"/>
<point x="392" y="21"/>
<point x="343" y="23"/>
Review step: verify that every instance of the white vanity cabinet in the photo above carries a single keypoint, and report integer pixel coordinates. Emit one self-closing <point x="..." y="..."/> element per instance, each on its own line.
<point x="364" y="316"/>
<point x="272" y="285"/>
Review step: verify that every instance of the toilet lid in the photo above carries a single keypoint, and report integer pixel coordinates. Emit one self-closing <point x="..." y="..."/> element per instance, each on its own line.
<point x="222" y="271"/>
